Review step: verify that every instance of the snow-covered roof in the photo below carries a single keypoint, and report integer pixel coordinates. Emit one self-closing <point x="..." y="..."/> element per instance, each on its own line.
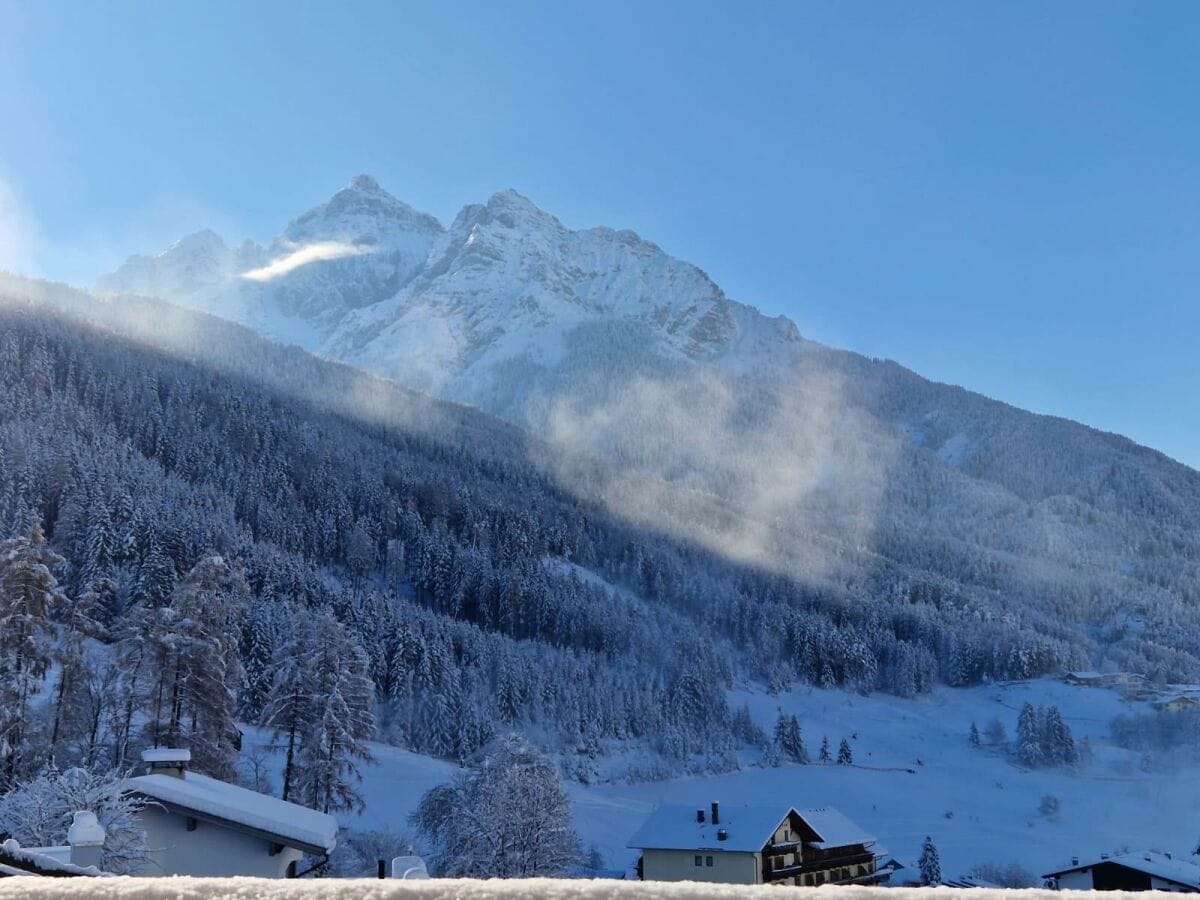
<point x="62" y="854"/>
<point x="18" y="860"/>
<point x="748" y="828"/>
<point x="294" y="825"/>
<point x="1152" y="862"/>
<point x="834" y="828"/>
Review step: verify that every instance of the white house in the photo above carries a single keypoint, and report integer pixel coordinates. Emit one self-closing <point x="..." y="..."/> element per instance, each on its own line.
<point x="196" y="825"/>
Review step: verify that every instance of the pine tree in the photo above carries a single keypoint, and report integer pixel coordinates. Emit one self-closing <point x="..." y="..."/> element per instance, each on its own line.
<point x="1029" y="737"/>
<point x="156" y="576"/>
<point x="789" y="741"/>
<point x="287" y="709"/>
<point x="78" y="625"/>
<point x="845" y="755"/>
<point x="199" y="671"/>
<point x="1057" y="741"/>
<point x="824" y="755"/>
<point x="339" y="722"/>
<point x="929" y="864"/>
<point x="29" y="593"/>
<point x="973" y="738"/>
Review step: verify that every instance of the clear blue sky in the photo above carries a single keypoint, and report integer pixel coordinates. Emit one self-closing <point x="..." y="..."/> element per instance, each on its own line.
<point x="1000" y="195"/>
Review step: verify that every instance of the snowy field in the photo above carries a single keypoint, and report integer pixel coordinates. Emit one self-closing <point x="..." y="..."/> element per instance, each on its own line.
<point x="914" y="775"/>
<point x="516" y="889"/>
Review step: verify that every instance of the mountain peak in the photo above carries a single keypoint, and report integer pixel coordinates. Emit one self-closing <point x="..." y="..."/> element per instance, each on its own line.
<point x="365" y="183"/>
<point x="205" y="240"/>
<point x="510" y="208"/>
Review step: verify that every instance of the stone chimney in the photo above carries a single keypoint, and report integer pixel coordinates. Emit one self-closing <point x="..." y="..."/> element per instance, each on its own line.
<point x="167" y="761"/>
<point x="86" y="837"/>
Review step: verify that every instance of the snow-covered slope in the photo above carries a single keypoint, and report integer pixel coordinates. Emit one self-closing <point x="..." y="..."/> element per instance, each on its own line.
<point x="914" y="774"/>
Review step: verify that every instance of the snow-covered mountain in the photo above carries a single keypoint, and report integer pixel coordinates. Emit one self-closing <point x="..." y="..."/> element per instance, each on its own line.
<point x="727" y="428"/>
<point x="485" y="311"/>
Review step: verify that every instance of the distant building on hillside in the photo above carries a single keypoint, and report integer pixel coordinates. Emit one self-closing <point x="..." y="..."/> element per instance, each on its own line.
<point x="196" y="825"/>
<point x="1178" y="703"/>
<point x="756" y="845"/>
<point x="1146" y="871"/>
<point x="1090" y="679"/>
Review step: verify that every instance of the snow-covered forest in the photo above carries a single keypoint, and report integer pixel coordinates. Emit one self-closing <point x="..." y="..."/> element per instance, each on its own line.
<point x="149" y="455"/>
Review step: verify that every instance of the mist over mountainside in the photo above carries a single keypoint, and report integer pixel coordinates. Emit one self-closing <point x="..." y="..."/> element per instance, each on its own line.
<point x="491" y="577"/>
<point x="725" y="428"/>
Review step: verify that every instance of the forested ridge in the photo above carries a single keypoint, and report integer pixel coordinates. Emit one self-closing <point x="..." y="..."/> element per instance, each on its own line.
<point x="144" y="440"/>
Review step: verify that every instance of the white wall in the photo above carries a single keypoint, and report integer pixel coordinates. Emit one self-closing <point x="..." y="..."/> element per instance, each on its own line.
<point x="209" y="850"/>
<point x="680" y="865"/>
<point x="1076" y="881"/>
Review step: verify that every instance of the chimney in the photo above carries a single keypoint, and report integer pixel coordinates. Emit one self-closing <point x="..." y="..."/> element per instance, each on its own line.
<point x="722" y="834"/>
<point x="700" y="815"/>
<point x="1074" y="860"/>
<point x="170" y="761"/>
<point x="86" y="837"/>
<point x="716" y="813"/>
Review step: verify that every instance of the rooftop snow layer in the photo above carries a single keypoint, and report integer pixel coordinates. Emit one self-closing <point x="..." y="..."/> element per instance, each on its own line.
<point x="1151" y="862"/>
<point x="208" y="796"/>
<point x="834" y="828"/>
<point x="748" y="829"/>
<point x="16" y="858"/>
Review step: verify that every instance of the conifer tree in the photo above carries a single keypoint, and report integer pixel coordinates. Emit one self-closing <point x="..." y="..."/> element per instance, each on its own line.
<point x="789" y="740"/>
<point x="1029" y="737"/>
<point x="845" y="754"/>
<point x="1057" y="741"/>
<point x="29" y="593"/>
<point x="199" y="671"/>
<point x="339" y="720"/>
<point x="824" y="755"/>
<point x="973" y="736"/>
<point x="929" y="864"/>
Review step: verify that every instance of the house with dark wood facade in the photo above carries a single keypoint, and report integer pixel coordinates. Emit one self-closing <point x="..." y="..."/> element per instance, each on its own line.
<point x="756" y="845"/>
<point x="1146" y="871"/>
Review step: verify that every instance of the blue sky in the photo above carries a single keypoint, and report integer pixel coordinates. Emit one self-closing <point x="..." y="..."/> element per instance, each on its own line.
<point x="1000" y="195"/>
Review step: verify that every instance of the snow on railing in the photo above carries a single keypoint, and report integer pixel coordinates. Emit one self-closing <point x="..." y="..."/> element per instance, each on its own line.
<point x="451" y="889"/>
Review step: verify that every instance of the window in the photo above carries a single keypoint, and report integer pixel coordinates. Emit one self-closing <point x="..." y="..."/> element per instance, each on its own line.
<point x="708" y="861"/>
<point x="699" y="860"/>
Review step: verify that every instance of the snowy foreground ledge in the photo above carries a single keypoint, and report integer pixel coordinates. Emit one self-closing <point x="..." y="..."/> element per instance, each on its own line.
<point x="451" y="889"/>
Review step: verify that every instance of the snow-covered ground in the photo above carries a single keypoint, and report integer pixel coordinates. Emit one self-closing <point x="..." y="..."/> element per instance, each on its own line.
<point x="914" y="775"/>
<point x="437" y="889"/>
